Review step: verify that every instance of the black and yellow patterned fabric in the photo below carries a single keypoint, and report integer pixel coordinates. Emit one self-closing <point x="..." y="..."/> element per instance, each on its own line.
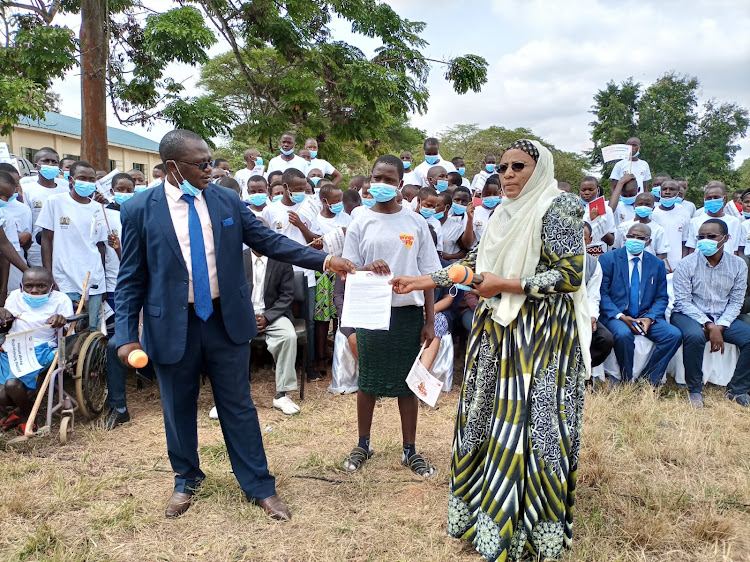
<point x="518" y="427"/>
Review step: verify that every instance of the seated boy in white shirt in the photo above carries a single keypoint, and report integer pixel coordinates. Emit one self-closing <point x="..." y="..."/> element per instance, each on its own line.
<point x="622" y="199"/>
<point x="427" y="207"/>
<point x="32" y="306"/>
<point x="644" y="208"/>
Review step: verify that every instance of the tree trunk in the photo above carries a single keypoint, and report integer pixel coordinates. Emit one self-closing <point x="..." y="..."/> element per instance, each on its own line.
<point x="94" y="55"/>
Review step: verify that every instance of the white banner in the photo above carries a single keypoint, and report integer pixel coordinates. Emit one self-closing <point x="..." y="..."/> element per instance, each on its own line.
<point x="422" y="383"/>
<point x="104" y="185"/>
<point x="333" y="242"/>
<point x="21" y="354"/>
<point x="615" y="152"/>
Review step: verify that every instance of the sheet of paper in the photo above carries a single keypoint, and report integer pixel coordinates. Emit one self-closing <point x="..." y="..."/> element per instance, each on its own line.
<point x="422" y="383"/>
<point x="104" y="185"/>
<point x="12" y="161"/>
<point x="615" y="152"/>
<point x="367" y="301"/>
<point x="333" y="242"/>
<point x="4" y="150"/>
<point x="21" y="354"/>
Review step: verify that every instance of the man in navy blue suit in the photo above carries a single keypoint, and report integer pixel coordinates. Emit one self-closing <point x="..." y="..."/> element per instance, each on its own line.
<point x="182" y="264"/>
<point x="634" y="298"/>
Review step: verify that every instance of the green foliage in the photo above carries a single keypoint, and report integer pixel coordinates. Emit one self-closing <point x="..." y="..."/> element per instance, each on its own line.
<point x="743" y="173"/>
<point x="677" y="136"/>
<point x="473" y="144"/>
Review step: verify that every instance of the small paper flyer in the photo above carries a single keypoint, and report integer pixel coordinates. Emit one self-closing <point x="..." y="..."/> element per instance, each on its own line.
<point x="104" y="185"/>
<point x="333" y="242"/>
<point x="422" y="383"/>
<point x="615" y="152"/>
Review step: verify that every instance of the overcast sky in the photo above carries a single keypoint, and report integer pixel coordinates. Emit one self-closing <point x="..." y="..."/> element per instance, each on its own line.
<point x="548" y="58"/>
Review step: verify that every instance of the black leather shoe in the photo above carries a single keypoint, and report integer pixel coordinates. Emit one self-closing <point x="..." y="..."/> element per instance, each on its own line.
<point x="115" y="418"/>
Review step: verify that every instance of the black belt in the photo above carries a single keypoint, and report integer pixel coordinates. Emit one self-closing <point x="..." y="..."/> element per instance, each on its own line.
<point x="215" y="302"/>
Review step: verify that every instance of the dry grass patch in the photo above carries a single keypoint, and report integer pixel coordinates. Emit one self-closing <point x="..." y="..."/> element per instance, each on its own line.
<point x="658" y="481"/>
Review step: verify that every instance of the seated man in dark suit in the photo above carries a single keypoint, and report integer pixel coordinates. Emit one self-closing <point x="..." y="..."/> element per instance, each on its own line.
<point x="272" y="289"/>
<point x="634" y="298"/>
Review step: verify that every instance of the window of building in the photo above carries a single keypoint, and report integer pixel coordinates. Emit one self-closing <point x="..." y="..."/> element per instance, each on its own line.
<point x="112" y="165"/>
<point x="73" y="156"/>
<point x="28" y="153"/>
<point x="139" y="167"/>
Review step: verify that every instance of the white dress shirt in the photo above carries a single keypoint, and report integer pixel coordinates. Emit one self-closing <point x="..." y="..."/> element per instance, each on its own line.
<point x="178" y="210"/>
<point x="259" y="283"/>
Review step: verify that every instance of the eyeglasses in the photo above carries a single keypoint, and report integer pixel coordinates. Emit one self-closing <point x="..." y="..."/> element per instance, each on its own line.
<point x="516" y="167"/>
<point x="709" y="236"/>
<point x="201" y="165"/>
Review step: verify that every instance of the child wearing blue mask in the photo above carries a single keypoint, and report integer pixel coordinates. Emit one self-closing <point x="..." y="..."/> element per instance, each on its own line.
<point x="368" y="201"/>
<point x="634" y="166"/>
<point x="431" y="158"/>
<point x="674" y="220"/>
<point x="714" y="203"/>
<point x="391" y="239"/>
<point x="427" y="204"/>
<point x="287" y="159"/>
<point x="458" y="228"/>
<point x="487" y="169"/>
<point x="18" y="216"/>
<point x="74" y="239"/>
<point x="32" y="306"/>
<point x="622" y="199"/>
<point x="460" y="165"/>
<point x="257" y="194"/>
<point x="324" y="165"/>
<point x="253" y="167"/>
<point x="490" y="200"/>
<point x="410" y="176"/>
<point x="644" y="208"/>
<point x="437" y="178"/>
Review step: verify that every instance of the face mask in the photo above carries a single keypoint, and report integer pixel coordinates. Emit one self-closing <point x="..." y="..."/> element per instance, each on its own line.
<point x="368" y="202"/>
<point x="680" y="199"/>
<point x="490" y="168"/>
<point x="656" y="192"/>
<point x="66" y="175"/>
<point x="431" y="159"/>
<point x="382" y="192"/>
<point x="635" y="155"/>
<point x="185" y="186"/>
<point x="668" y="202"/>
<point x="259" y="199"/>
<point x="643" y="211"/>
<point x="313" y="154"/>
<point x="140" y="188"/>
<point x="407" y="165"/>
<point x="439" y="216"/>
<point x="297" y="197"/>
<point x="627" y="200"/>
<point x="286" y="152"/>
<point x="427" y="213"/>
<point x="276" y="198"/>
<point x="746" y="215"/>
<point x="714" y="205"/>
<point x="458" y="209"/>
<point x="84" y="188"/>
<point x="315" y="180"/>
<point x="441" y="185"/>
<point x="336" y="208"/>
<point x="707" y="247"/>
<point x="461" y="171"/>
<point x="10" y="200"/>
<point x="491" y="201"/>
<point x="120" y="198"/>
<point x="35" y="301"/>
<point x="634" y="246"/>
<point x="49" y="172"/>
<point x="259" y="162"/>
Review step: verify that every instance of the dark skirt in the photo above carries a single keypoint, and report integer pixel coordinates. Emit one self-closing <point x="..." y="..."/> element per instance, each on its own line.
<point x="386" y="356"/>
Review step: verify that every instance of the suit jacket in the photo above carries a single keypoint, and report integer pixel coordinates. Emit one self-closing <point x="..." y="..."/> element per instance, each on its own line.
<point x="153" y="275"/>
<point x="616" y="286"/>
<point x="278" y="287"/>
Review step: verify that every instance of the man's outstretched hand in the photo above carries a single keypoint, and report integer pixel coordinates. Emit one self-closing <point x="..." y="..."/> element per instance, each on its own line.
<point x="341" y="267"/>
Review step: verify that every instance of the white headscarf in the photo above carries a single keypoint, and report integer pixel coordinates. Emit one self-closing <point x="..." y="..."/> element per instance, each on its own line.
<point x="512" y="242"/>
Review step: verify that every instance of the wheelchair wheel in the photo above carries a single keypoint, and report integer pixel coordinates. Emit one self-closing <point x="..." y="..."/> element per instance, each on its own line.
<point x="91" y="375"/>
<point x="66" y="428"/>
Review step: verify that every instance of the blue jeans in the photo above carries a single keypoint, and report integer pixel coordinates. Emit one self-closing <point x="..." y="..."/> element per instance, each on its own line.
<point x="95" y="308"/>
<point x="694" y="345"/>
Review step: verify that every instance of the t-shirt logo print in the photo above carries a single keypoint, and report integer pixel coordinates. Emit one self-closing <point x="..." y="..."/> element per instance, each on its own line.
<point x="64" y="222"/>
<point x="37" y="204"/>
<point x="407" y="239"/>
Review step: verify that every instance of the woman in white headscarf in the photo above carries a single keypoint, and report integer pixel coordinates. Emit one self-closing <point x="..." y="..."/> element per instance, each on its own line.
<point x="518" y="427"/>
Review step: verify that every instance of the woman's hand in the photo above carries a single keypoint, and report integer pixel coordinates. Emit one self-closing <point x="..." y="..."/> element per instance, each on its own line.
<point x="491" y="285"/>
<point x="379" y="267"/>
<point x="428" y="334"/>
<point x="405" y="284"/>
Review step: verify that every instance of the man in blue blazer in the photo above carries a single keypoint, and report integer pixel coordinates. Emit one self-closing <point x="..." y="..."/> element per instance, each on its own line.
<point x="182" y="265"/>
<point x="634" y="298"/>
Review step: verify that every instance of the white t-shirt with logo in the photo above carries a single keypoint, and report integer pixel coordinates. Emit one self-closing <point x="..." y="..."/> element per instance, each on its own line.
<point x="481" y="218"/>
<point x="78" y="228"/>
<point x="35" y="195"/>
<point x="28" y="317"/>
<point x="277" y="216"/>
<point x="623" y="213"/>
<point x="423" y="169"/>
<point x="640" y="170"/>
<point x="278" y="164"/>
<point x="676" y="224"/>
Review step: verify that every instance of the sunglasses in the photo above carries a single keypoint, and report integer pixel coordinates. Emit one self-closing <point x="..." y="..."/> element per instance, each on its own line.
<point x="516" y="167"/>
<point x="709" y="236"/>
<point x="201" y="165"/>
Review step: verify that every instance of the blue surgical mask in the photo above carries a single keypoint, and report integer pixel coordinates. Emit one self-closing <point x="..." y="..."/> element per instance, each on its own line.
<point x="35" y="301"/>
<point x="746" y="215"/>
<point x="259" y="161"/>
<point x="680" y="200"/>
<point x="368" y="202"/>
<point x="297" y="197"/>
<point x="634" y="246"/>
<point x="407" y="165"/>
<point x="431" y="159"/>
<point x="84" y="188"/>
<point x="461" y="171"/>
<point x="140" y="188"/>
<point x="463" y="287"/>
<point x="490" y="168"/>
<point x="656" y="192"/>
<point x="627" y="200"/>
<point x="66" y="174"/>
<point x="313" y="154"/>
<point x="635" y="155"/>
<point x="188" y="189"/>
<point x="120" y="198"/>
<point x="427" y="213"/>
<point x="668" y="202"/>
<point x="441" y="185"/>
<point x="439" y="216"/>
<point x="276" y="198"/>
<point x="713" y="205"/>
<point x="643" y="211"/>
<point x="336" y="208"/>
<point x="707" y="247"/>
<point x="10" y="199"/>
<point x="286" y="152"/>
<point x="382" y="192"/>
<point x="458" y="209"/>
<point x="49" y="172"/>
<point x="491" y="201"/>
<point x="315" y="180"/>
<point x="259" y="199"/>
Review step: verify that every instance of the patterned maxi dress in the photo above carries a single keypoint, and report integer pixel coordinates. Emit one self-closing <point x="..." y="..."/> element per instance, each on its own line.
<point x="518" y="427"/>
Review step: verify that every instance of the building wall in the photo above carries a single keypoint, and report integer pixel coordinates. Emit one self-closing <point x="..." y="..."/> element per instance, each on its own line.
<point x="124" y="158"/>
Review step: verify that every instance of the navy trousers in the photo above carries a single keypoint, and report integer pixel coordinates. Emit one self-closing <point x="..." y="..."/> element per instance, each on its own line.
<point x="695" y="344"/>
<point x="666" y="338"/>
<point x="227" y="366"/>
